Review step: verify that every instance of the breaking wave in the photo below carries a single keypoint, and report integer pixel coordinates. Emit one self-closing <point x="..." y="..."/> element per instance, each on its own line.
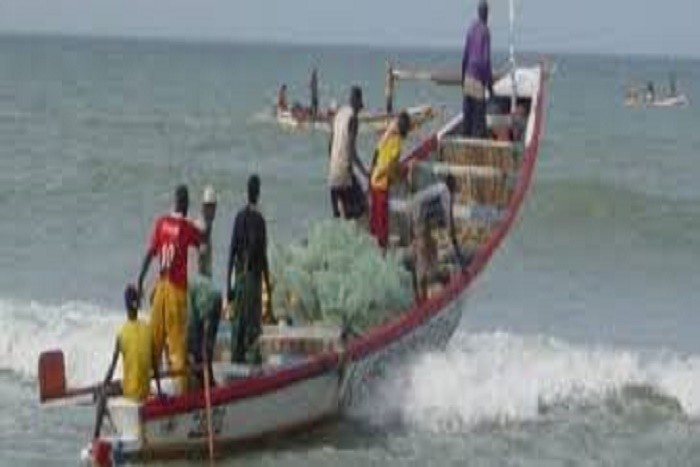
<point x="501" y="378"/>
<point x="480" y="378"/>
<point x="83" y="331"/>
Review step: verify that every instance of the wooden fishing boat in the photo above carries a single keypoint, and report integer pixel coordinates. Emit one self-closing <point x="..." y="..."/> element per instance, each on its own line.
<point x="311" y="374"/>
<point x="378" y="121"/>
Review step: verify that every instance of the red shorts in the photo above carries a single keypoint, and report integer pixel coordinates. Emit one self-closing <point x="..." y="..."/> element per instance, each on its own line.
<point x="379" y="216"/>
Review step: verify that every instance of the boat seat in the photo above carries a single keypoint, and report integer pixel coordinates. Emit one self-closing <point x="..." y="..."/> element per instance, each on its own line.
<point x="283" y="344"/>
<point x="457" y="150"/>
<point x="443" y="169"/>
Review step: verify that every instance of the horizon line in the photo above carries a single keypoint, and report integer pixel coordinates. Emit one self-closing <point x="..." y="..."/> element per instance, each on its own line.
<point x="279" y="42"/>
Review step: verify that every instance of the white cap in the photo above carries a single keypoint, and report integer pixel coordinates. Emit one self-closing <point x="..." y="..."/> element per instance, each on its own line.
<point x="209" y="196"/>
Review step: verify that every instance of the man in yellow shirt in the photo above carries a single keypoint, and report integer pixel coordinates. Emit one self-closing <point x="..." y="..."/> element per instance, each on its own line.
<point x="384" y="171"/>
<point x="134" y="343"/>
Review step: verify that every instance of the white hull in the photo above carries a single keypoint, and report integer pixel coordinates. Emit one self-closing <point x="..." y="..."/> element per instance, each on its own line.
<point x="676" y="101"/>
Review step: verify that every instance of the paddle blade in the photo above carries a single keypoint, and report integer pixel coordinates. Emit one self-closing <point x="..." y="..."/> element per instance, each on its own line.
<point x="52" y="375"/>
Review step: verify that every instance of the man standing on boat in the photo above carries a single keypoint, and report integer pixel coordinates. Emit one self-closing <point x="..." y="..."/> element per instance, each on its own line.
<point x="477" y="75"/>
<point x="313" y="86"/>
<point x="282" y="105"/>
<point x="172" y="236"/>
<point x="204" y="301"/>
<point x="248" y="254"/>
<point x="384" y="171"/>
<point x="389" y="88"/>
<point x="347" y="198"/>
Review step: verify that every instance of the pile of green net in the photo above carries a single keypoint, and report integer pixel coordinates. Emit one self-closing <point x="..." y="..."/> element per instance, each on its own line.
<point x="338" y="276"/>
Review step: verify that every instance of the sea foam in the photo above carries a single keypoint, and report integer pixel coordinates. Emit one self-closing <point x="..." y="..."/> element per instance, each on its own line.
<point x="83" y="331"/>
<point x="502" y="378"/>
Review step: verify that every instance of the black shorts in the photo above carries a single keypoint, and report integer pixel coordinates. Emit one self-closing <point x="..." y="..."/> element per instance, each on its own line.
<point x="339" y="195"/>
<point x="352" y="198"/>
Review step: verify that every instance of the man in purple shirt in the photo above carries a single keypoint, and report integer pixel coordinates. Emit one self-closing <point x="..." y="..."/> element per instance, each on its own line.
<point x="477" y="75"/>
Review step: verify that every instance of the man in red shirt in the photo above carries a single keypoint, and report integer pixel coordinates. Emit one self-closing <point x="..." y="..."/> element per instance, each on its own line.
<point x="172" y="235"/>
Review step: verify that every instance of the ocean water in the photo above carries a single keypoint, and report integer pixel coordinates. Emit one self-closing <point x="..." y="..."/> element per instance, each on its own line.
<point x="578" y="346"/>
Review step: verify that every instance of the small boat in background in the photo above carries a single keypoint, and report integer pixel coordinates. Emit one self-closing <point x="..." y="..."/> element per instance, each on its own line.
<point x="671" y="101"/>
<point x="302" y="118"/>
<point x="647" y="97"/>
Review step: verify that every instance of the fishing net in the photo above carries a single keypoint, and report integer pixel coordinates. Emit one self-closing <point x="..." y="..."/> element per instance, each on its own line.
<point x="338" y="276"/>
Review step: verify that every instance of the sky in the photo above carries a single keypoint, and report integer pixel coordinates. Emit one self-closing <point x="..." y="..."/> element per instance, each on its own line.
<point x="656" y="27"/>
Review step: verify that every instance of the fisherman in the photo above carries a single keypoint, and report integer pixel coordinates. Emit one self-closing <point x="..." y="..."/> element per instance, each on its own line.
<point x="282" y="105"/>
<point x="651" y="94"/>
<point x="313" y="86"/>
<point x="134" y="344"/>
<point x="477" y="75"/>
<point x="385" y="169"/>
<point x="431" y="208"/>
<point x="389" y="88"/>
<point x="347" y="198"/>
<point x="204" y="301"/>
<point x="248" y="255"/>
<point x="172" y="235"/>
<point x="672" y="91"/>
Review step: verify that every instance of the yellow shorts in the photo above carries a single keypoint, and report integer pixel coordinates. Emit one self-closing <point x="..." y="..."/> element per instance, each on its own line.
<point x="169" y="325"/>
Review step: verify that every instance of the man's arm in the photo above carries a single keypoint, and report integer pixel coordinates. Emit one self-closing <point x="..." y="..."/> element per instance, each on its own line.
<point x="330" y="141"/>
<point x="352" y="141"/>
<point x="113" y="364"/>
<point x="266" y="267"/>
<point x="489" y="70"/>
<point x="145" y="265"/>
<point x="101" y="402"/>
<point x="232" y="252"/>
<point x="465" y="56"/>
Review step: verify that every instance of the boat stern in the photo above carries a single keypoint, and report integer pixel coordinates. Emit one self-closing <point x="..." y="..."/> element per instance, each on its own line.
<point x="124" y="438"/>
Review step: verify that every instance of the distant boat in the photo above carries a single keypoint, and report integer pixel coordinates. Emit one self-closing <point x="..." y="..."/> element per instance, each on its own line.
<point x="673" y="101"/>
<point x="301" y="118"/>
<point x="680" y="100"/>
<point x="646" y="97"/>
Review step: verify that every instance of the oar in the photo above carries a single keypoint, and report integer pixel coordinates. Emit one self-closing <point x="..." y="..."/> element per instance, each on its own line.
<point x="442" y="78"/>
<point x="52" y="379"/>
<point x="207" y="398"/>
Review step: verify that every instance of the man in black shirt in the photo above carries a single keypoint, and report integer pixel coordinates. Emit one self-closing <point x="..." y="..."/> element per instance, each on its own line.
<point x="248" y="254"/>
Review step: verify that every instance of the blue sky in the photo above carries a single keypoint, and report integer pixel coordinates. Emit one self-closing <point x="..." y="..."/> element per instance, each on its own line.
<point x="601" y="26"/>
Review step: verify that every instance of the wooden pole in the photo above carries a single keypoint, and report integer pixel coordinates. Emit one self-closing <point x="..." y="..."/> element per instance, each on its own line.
<point x="207" y="398"/>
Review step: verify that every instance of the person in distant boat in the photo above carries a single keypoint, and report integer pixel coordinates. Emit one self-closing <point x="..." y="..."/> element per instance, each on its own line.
<point x="347" y="198"/>
<point x="477" y="75"/>
<point x="204" y="301"/>
<point x="632" y="95"/>
<point x="134" y="344"/>
<point x="248" y="256"/>
<point x="385" y="170"/>
<point x="651" y="94"/>
<point x="672" y="91"/>
<point x="313" y="86"/>
<point x="282" y="104"/>
<point x="172" y="236"/>
<point x="389" y="88"/>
